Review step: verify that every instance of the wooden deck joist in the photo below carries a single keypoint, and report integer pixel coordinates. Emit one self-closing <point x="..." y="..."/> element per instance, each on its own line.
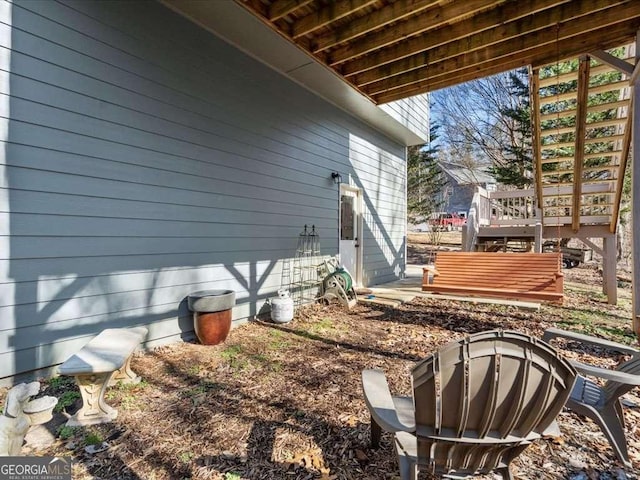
<point x="391" y="50"/>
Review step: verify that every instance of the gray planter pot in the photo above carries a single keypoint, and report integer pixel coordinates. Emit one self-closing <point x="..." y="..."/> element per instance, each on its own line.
<point x="211" y="300"/>
<point x="212" y="314"/>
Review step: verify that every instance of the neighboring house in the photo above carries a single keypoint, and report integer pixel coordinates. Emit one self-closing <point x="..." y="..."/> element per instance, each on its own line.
<point x="146" y="158"/>
<point x="461" y="183"/>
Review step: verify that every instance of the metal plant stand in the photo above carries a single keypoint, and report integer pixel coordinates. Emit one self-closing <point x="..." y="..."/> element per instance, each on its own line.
<point x="305" y="280"/>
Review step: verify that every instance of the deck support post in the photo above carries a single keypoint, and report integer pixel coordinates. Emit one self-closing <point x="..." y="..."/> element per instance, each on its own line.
<point x="635" y="195"/>
<point x="609" y="270"/>
<point x="463" y="241"/>
<point x="537" y="248"/>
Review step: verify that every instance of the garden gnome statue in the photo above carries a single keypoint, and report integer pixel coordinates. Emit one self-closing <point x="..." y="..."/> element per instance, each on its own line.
<point x="14" y="422"/>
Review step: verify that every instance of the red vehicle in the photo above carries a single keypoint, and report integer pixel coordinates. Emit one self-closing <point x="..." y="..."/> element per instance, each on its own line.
<point x="447" y="221"/>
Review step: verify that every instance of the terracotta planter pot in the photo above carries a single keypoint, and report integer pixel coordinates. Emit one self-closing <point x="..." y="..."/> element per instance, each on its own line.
<point x="212" y="328"/>
<point x="212" y="314"/>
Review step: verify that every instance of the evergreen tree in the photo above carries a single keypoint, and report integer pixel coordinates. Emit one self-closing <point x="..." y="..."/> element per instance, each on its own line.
<point x="425" y="180"/>
<point x="516" y="166"/>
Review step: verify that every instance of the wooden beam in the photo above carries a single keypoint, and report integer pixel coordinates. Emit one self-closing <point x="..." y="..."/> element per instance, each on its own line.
<point x="551" y="191"/>
<point x="635" y="198"/>
<point x="546" y="132"/>
<point x="635" y="74"/>
<point x="588" y="126"/>
<point x="626" y="147"/>
<point x="546" y="161"/>
<point x="581" y="119"/>
<point x="254" y="6"/>
<point x="611" y="153"/>
<point x="570" y="76"/>
<point x="563" y="171"/>
<point x="587" y="169"/>
<point x="426" y="22"/>
<point x="602" y="220"/>
<point x="459" y="51"/>
<point x="599" y="199"/>
<point x="534" y="78"/>
<point x="606" y="123"/>
<point x="605" y="87"/>
<point x="557" y="145"/>
<point x="415" y="53"/>
<point x="586" y="157"/>
<point x="332" y="12"/>
<point x="397" y="11"/>
<point x="493" y="24"/>
<point x="282" y="8"/>
<point x="615" y="62"/>
<point x="586" y="232"/>
<point x="596" y="248"/>
<point x="571" y="112"/>
<point x="463" y="69"/>
<point x="609" y="274"/>
<point x="599" y="181"/>
<point x="599" y="205"/>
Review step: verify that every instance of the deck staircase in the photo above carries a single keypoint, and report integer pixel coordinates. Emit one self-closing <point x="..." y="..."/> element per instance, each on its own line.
<point x="581" y="140"/>
<point x="582" y="136"/>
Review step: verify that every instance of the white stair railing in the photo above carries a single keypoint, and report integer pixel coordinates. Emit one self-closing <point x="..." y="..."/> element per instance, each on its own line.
<point x="506" y="208"/>
<point x="513" y="207"/>
<point x="479" y="214"/>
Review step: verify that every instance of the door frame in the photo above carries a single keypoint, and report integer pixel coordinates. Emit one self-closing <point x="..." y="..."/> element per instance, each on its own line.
<point x="358" y="204"/>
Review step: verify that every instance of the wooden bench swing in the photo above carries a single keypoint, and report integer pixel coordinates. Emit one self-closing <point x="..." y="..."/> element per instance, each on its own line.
<point x="519" y="276"/>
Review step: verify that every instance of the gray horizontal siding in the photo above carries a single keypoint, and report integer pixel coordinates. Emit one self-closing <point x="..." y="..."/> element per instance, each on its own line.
<point x="146" y="89"/>
<point x="36" y="224"/>
<point x="112" y="283"/>
<point x="145" y="159"/>
<point x="412" y="112"/>
<point x="384" y="216"/>
<point x="94" y="266"/>
<point x="96" y="300"/>
<point x="67" y="201"/>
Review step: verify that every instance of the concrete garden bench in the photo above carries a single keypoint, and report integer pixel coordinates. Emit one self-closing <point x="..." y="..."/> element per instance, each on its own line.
<point x="104" y="361"/>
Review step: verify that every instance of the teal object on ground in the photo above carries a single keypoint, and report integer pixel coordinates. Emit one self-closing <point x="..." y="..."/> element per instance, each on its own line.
<point x="347" y="280"/>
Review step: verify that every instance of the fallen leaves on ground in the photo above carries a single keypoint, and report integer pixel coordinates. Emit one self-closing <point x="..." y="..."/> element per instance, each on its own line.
<point x="285" y="401"/>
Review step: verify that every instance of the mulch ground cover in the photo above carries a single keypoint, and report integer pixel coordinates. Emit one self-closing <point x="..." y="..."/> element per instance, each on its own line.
<point x="285" y="401"/>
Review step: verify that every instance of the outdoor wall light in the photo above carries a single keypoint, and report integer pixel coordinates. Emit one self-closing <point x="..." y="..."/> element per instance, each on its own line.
<point x="337" y="178"/>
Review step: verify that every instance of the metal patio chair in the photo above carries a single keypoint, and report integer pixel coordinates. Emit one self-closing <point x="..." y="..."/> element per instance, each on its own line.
<point x="477" y="404"/>
<point x="602" y="403"/>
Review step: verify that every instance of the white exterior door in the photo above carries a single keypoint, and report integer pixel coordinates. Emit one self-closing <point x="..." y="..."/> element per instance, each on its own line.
<point x="351" y="231"/>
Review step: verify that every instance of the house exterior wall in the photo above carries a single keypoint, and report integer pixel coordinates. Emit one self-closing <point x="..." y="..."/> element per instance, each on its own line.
<point x="144" y="159"/>
<point x="460" y="198"/>
<point x="412" y="112"/>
